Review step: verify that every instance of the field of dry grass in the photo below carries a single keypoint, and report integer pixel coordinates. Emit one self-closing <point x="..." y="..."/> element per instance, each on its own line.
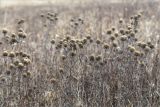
<point x="88" y="55"/>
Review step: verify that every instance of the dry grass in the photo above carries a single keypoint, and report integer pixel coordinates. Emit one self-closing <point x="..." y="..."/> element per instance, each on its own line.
<point x="93" y="55"/>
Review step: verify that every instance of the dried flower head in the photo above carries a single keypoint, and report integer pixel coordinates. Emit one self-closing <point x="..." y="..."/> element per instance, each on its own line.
<point x="137" y="53"/>
<point x="26" y="61"/>
<point x="106" y="46"/>
<point x="72" y="54"/>
<point x="114" y="44"/>
<point x="109" y="32"/>
<point x="92" y="58"/>
<point x="8" y="72"/>
<point x="52" y="41"/>
<point x="12" y="54"/>
<point x="112" y="38"/>
<point x="123" y="38"/>
<point x="121" y="21"/>
<point x="63" y="57"/>
<point x="12" y="66"/>
<point x="98" y="58"/>
<point x="121" y="31"/>
<point x="4" y="31"/>
<point x="131" y="48"/>
<point x="5" y="53"/>
<point x="20" y="65"/>
<point x="53" y="80"/>
<point x="88" y="37"/>
<point x="98" y="41"/>
<point x="61" y="70"/>
<point x="116" y="34"/>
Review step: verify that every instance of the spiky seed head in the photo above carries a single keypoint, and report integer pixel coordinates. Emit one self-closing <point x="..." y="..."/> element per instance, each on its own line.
<point x="132" y="34"/>
<point x="59" y="46"/>
<point x="24" y="75"/>
<point x="92" y="58"/>
<point x="13" y="40"/>
<point x="147" y="49"/>
<point x="3" y="79"/>
<point x="53" y="80"/>
<point x="142" y="54"/>
<point x="16" y="62"/>
<point x="20" y="53"/>
<point x="149" y="43"/>
<point x="136" y="30"/>
<point x="136" y="17"/>
<point x="137" y="53"/>
<point x="113" y="28"/>
<point x="42" y="15"/>
<point x="68" y="37"/>
<point x="4" y="31"/>
<point x="106" y="46"/>
<point x="21" y="21"/>
<point x="122" y="31"/>
<point x="20" y="34"/>
<point x="61" y="70"/>
<point x="61" y="42"/>
<point x="120" y="20"/>
<point x="142" y="64"/>
<point x="28" y="73"/>
<point x="65" y="45"/>
<point x="98" y="58"/>
<point x="11" y="66"/>
<point x="139" y="15"/>
<point x="56" y="18"/>
<point x="72" y="54"/>
<point x="8" y="72"/>
<point x="112" y="38"/>
<point x="143" y="45"/>
<point x="131" y="49"/>
<point x="24" y="35"/>
<point x="26" y="61"/>
<point x="98" y="41"/>
<point x="123" y="38"/>
<point x="74" y="47"/>
<point x="88" y="37"/>
<point x="114" y="44"/>
<point x="13" y="35"/>
<point x="52" y="41"/>
<point x="151" y="46"/>
<point x="76" y="24"/>
<point x="129" y="27"/>
<point x="0" y="43"/>
<point x="63" y="57"/>
<point x="24" y="55"/>
<point x="72" y="41"/>
<point x="127" y="32"/>
<point x="20" y="65"/>
<point x="11" y="55"/>
<point x="80" y="45"/>
<point x="84" y="41"/>
<point x="135" y="39"/>
<point x="5" y="53"/>
<point x="20" y="30"/>
<point x="109" y="32"/>
<point x="116" y="34"/>
<point x="91" y="40"/>
<point x="139" y="44"/>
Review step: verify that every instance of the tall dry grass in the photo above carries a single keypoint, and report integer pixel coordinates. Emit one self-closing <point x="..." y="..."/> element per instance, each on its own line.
<point x="93" y="55"/>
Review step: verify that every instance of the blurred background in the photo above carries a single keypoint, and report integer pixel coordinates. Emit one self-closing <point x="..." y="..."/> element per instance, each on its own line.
<point x="4" y="3"/>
